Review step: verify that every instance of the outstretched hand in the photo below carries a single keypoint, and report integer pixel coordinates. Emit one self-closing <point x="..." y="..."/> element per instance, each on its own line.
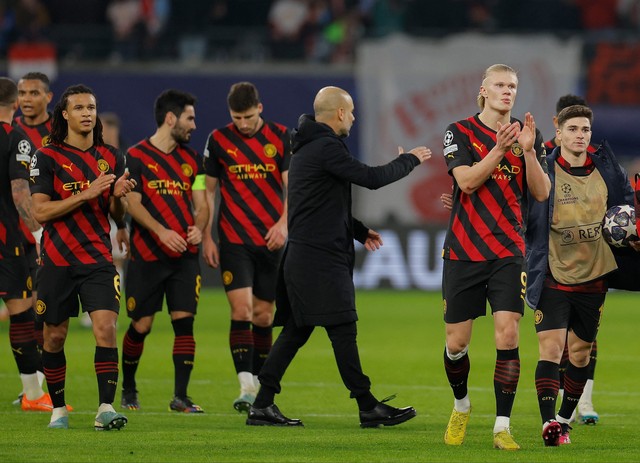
<point x="421" y="152"/>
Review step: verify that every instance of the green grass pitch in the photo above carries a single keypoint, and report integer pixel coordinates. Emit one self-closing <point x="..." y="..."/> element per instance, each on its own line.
<point x="401" y="339"/>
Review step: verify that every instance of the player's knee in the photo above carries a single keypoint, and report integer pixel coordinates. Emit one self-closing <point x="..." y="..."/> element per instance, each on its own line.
<point x="142" y="326"/>
<point x="54" y="340"/>
<point x="262" y="319"/>
<point x="580" y="357"/>
<point x="242" y="313"/>
<point x="456" y="348"/>
<point x="506" y="340"/>
<point x="105" y="332"/>
<point x="551" y="352"/>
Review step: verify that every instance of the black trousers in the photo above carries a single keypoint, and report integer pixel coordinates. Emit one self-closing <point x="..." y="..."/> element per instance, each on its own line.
<point x="345" y="351"/>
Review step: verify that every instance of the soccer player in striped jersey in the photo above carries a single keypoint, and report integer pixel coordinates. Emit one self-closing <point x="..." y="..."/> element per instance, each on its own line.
<point x="76" y="182"/>
<point x="248" y="160"/>
<point x="169" y="212"/>
<point x="498" y="165"/>
<point x="15" y="281"/>
<point x="34" y="97"/>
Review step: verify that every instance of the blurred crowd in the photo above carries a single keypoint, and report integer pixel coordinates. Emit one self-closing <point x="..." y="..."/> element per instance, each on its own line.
<point x="300" y="30"/>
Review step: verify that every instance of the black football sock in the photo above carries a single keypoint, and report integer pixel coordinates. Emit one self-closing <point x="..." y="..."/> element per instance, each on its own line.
<point x="241" y="344"/>
<point x="505" y="380"/>
<point x="184" y="352"/>
<point x="574" y="380"/>
<point x="105" y="362"/>
<point x="547" y="385"/>
<point x="458" y="374"/>
<point x="55" y="372"/>
<point x="132" y="347"/>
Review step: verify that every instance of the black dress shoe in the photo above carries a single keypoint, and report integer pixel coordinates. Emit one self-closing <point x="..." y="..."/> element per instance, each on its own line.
<point x="385" y="415"/>
<point x="270" y="416"/>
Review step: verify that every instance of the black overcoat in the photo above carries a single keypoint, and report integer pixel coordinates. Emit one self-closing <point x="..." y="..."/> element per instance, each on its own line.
<point x="315" y="282"/>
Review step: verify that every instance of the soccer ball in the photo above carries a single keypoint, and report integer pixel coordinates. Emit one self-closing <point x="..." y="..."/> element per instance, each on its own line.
<point x="619" y="226"/>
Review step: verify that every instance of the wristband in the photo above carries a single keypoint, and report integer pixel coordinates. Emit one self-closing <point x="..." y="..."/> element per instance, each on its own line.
<point x="37" y="235"/>
<point x="121" y="225"/>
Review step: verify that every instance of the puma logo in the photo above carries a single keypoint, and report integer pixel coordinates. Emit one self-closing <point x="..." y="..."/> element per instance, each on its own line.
<point x="233" y="152"/>
<point x="479" y="147"/>
<point x="153" y="167"/>
<point x="69" y="166"/>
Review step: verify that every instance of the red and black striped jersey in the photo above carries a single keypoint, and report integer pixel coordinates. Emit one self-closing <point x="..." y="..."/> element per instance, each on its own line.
<point x="490" y="223"/>
<point x="39" y="136"/>
<point x="249" y="171"/>
<point x="15" y="155"/>
<point x="61" y="171"/>
<point x="165" y="182"/>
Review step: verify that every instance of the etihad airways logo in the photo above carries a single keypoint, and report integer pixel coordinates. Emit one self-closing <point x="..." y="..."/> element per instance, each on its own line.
<point x="505" y="172"/>
<point x="169" y="187"/>
<point x="76" y="187"/>
<point x="251" y="171"/>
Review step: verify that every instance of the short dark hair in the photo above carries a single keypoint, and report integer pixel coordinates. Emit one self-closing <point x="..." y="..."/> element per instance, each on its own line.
<point x="243" y="96"/>
<point x="574" y="111"/>
<point x="172" y="101"/>
<point x="569" y="100"/>
<point x="37" y="76"/>
<point x="8" y="91"/>
<point x="59" y="125"/>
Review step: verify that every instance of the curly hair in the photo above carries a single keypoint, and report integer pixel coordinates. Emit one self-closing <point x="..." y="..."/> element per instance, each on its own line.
<point x="59" y="125"/>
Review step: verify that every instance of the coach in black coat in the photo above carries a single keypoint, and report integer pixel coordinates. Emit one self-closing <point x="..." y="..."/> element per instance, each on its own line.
<point x="320" y="255"/>
<point x="315" y="286"/>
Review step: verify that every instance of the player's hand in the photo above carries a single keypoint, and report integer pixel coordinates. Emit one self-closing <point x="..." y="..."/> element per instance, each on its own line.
<point x="210" y="252"/>
<point x="124" y="185"/>
<point x="99" y="185"/>
<point x="373" y="241"/>
<point x="172" y="240"/>
<point x="38" y="258"/>
<point x="447" y="200"/>
<point x="635" y="245"/>
<point x="528" y="133"/>
<point x="194" y="235"/>
<point x="421" y="152"/>
<point x="506" y="136"/>
<point x="276" y="236"/>
<point x="122" y="238"/>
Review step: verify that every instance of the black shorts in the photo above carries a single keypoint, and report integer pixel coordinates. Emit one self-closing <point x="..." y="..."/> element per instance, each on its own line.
<point x="15" y="281"/>
<point x="579" y="312"/>
<point x="61" y="290"/>
<point x="250" y="267"/>
<point x="467" y="286"/>
<point x="148" y="282"/>
<point x="32" y="260"/>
